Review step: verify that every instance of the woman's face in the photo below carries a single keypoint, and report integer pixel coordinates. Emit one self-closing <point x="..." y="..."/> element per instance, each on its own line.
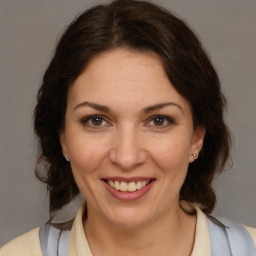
<point x="129" y="137"/>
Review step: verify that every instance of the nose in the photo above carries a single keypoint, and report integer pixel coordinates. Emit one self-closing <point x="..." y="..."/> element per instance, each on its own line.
<point x="127" y="151"/>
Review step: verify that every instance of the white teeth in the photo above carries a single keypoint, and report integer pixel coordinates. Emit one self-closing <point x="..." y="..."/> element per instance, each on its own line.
<point x="123" y="186"/>
<point x="116" y="185"/>
<point x="139" y="185"/>
<point x="130" y="186"/>
<point x="111" y="182"/>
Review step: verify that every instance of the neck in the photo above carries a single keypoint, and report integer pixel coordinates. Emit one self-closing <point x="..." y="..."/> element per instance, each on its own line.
<point x="170" y="234"/>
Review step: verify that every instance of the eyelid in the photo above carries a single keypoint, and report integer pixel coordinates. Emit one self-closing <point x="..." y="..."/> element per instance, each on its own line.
<point x="86" y="119"/>
<point x="170" y="120"/>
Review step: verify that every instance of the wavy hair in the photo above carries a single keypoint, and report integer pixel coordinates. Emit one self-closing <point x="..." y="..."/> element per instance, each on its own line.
<point x="142" y="26"/>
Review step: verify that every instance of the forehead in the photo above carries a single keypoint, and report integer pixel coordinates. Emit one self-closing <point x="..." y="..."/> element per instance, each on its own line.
<point x="123" y="77"/>
<point x="122" y="66"/>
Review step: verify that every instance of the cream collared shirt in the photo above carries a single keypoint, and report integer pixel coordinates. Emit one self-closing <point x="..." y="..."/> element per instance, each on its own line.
<point x="29" y="243"/>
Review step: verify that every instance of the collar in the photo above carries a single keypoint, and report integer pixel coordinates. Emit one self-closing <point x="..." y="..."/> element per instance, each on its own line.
<point x="79" y="245"/>
<point x="202" y="244"/>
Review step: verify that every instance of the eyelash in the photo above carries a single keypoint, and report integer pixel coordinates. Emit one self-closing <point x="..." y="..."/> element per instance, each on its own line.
<point x="167" y="119"/>
<point x="86" y="121"/>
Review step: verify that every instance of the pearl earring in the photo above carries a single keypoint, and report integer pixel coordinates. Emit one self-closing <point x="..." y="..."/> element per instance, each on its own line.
<point x="66" y="157"/>
<point x="195" y="155"/>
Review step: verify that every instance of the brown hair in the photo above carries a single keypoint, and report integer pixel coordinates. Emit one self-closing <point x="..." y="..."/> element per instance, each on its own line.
<point x="142" y="26"/>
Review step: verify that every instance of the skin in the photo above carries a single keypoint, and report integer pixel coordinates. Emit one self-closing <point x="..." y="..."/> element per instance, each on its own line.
<point x="127" y="140"/>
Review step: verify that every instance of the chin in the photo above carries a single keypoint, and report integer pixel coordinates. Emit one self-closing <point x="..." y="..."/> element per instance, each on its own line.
<point x="129" y="217"/>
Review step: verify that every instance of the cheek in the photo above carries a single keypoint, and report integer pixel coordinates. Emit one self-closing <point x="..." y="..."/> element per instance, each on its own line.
<point x="172" y="148"/>
<point x="171" y="155"/>
<point x="86" y="155"/>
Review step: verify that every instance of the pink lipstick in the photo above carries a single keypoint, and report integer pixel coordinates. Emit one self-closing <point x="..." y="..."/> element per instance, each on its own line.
<point x="128" y="189"/>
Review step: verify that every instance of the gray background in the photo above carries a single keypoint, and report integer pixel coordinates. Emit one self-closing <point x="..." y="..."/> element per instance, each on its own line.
<point x="28" y="32"/>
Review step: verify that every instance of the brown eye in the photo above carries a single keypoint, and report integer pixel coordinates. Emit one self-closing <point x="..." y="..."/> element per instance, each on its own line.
<point x="158" y="120"/>
<point x="97" y="121"/>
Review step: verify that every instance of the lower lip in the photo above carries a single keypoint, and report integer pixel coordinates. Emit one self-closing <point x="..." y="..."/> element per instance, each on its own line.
<point x="129" y="196"/>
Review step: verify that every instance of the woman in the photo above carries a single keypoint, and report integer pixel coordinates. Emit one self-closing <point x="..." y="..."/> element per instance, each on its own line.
<point x="130" y="113"/>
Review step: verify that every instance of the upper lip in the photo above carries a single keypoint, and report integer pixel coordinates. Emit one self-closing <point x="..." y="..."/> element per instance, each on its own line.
<point x="130" y="179"/>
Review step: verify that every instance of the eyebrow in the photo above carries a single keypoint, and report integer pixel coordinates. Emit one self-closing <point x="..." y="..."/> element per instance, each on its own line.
<point x="93" y="105"/>
<point x="162" y="105"/>
<point x="145" y="110"/>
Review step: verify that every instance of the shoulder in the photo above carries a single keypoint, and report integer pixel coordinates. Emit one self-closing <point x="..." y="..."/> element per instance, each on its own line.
<point x="252" y="232"/>
<point x="27" y="244"/>
<point x="220" y="233"/>
<point x="234" y="229"/>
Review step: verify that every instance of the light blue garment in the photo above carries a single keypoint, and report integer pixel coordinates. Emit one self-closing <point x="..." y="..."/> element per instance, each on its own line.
<point x="227" y="239"/>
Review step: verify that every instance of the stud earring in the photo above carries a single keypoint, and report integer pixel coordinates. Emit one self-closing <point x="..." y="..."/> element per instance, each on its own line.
<point x="66" y="157"/>
<point x="195" y="155"/>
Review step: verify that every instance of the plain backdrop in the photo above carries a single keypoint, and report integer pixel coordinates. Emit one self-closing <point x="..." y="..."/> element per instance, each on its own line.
<point x="28" y="33"/>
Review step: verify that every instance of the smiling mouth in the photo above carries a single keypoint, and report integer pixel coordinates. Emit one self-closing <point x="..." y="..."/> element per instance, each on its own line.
<point x="127" y="186"/>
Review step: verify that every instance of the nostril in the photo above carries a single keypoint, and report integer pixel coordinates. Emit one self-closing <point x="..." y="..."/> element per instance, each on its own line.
<point x="127" y="156"/>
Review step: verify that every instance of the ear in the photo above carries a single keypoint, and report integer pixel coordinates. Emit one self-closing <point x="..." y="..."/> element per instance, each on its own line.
<point x="197" y="143"/>
<point x="63" y="143"/>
